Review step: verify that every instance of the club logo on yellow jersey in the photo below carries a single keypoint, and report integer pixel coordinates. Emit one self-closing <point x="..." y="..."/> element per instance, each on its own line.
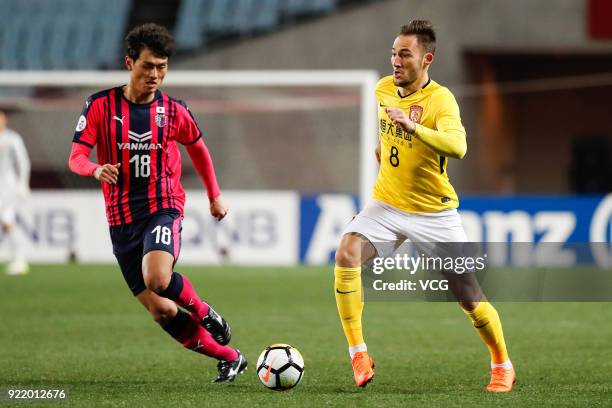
<point x="415" y="113"/>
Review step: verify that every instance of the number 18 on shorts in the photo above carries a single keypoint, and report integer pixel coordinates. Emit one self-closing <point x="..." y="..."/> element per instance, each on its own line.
<point x="131" y="242"/>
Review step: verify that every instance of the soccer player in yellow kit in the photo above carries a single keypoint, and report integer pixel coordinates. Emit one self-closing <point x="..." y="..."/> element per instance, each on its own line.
<point x="419" y="129"/>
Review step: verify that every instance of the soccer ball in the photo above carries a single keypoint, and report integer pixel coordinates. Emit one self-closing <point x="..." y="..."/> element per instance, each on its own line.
<point x="280" y="367"/>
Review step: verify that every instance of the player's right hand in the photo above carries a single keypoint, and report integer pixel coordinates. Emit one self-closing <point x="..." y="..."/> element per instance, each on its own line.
<point x="377" y="153"/>
<point x="107" y="173"/>
<point x="397" y="115"/>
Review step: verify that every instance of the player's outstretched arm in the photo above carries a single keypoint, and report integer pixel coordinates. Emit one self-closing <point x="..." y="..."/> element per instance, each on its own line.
<point x="200" y="156"/>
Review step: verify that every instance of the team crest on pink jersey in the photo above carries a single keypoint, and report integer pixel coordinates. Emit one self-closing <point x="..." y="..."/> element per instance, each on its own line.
<point x="415" y="113"/>
<point x="160" y="118"/>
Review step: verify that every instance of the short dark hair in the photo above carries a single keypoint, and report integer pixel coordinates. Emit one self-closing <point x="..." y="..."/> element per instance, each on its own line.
<point x="152" y="36"/>
<point x="424" y="31"/>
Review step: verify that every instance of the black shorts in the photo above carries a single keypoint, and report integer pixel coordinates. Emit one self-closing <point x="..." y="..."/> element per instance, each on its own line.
<point x="131" y="242"/>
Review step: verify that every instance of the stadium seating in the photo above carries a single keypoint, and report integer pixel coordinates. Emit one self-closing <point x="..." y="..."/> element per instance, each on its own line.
<point x="61" y="34"/>
<point x="200" y="21"/>
<point x="296" y="8"/>
<point x="86" y="34"/>
<point x="188" y="31"/>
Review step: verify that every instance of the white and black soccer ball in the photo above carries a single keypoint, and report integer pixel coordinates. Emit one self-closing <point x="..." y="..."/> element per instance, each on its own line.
<point x="280" y="367"/>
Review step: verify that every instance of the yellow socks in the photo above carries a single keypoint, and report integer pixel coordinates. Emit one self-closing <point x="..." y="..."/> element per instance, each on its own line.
<point x="487" y="323"/>
<point x="347" y="289"/>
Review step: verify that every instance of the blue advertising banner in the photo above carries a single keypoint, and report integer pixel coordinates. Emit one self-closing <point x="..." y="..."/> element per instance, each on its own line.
<point x="284" y="228"/>
<point x="565" y="220"/>
<point x="539" y="218"/>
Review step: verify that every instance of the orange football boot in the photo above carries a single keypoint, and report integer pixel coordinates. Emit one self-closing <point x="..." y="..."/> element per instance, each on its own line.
<point x="363" y="368"/>
<point x="502" y="379"/>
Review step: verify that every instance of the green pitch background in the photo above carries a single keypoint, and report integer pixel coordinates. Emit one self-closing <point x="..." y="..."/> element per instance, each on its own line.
<point x="78" y="327"/>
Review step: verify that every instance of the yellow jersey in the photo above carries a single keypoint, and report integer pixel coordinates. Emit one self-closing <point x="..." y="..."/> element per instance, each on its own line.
<point x="412" y="176"/>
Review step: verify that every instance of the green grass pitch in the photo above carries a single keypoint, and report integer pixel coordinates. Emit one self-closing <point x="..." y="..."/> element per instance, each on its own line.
<point x="78" y="327"/>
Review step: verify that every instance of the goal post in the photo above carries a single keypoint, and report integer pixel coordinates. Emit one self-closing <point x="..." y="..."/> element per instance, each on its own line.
<point x="364" y="80"/>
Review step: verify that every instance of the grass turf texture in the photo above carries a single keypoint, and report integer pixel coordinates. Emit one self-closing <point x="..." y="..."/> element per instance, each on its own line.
<point x="79" y="327"/>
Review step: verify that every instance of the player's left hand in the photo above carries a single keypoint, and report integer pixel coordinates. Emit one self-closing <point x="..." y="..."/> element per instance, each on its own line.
<point x="218" y="209"/>
<point x="399" y="116"/>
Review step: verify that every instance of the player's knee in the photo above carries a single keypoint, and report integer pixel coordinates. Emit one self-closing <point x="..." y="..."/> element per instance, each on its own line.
<point x="156" y="280"/>
<point x="348" y="255"/>
<point x="157" y="271"/>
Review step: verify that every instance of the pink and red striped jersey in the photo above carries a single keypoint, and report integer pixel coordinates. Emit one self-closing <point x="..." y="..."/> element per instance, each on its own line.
<point x="142" y="137"/>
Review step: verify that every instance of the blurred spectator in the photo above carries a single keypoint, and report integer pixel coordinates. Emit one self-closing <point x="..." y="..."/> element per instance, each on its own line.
<point x="15" y="187"/>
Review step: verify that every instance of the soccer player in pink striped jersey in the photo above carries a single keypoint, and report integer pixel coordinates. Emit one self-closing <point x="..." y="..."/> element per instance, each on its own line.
<point x="135" y="129"/>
